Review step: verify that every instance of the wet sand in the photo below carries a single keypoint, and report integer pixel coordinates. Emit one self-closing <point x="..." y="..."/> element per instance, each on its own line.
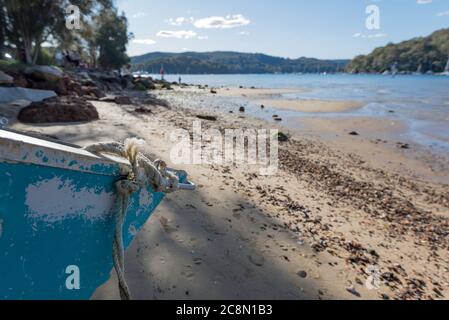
<point x="313" y="231"/>
<point x="382" y="143"/>
<point x="315" y="106"/>
<point x="251" y="92"/>
<point x="273" y="98"/>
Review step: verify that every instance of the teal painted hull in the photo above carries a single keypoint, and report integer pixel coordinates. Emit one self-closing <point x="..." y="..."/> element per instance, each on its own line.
<point x="53" y="217"/>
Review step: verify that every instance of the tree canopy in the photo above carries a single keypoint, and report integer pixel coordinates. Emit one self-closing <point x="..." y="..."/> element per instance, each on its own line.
<point x="111" y="39"/>
<point x="27" y="25"/>
<point x="420" y="54"/>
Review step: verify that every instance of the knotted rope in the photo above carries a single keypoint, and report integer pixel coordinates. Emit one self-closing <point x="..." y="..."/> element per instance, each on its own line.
<point x="144" y="173"/>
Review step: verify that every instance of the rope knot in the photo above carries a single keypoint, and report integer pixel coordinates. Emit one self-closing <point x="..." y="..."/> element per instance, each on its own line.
<point x="144" y="173"/>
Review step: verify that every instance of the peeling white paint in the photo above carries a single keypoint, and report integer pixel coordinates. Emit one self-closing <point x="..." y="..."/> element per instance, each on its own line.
<point x="55" y="199"/>
<point x="132" y="230"/>
<point x="145" y="198"/>
<point x="25" y="149"/>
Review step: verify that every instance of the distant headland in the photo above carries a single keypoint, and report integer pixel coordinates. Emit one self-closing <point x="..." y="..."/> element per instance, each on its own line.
<point x="225" y="62"/>
<point x="419" y="55"/>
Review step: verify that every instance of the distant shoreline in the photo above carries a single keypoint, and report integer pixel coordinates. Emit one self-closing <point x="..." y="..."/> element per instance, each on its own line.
<point x="153" y="75"/>
<point x="392" y="100"/>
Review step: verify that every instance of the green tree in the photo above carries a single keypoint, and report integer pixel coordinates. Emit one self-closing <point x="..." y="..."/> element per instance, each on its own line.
<point x="425" y="54"/>
<point x="111" y="38"/>
<point x="27" y="24"/>
<point x="84" y="41"/>
<point x="23" y="31"/>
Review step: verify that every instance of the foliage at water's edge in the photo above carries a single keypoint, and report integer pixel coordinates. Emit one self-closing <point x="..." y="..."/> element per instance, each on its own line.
<point x="421" y="54"/>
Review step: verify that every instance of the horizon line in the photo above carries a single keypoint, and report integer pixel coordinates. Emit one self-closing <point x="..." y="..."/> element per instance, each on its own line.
<point x="244" y="52"/>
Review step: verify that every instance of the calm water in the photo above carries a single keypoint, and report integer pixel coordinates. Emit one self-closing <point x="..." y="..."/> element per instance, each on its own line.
<point x="420" y="101"/>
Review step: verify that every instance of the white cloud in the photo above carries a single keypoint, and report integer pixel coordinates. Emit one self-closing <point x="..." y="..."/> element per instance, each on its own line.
<point x="444" y="13"/>
<point x="244" y="33"/>
<point x="423" y="1"/>
<point x="181" y="34"/>
<point x="203" y="37"/>
<point x="233" y="21"/>
<point x="180" y="21"/>
<point x="139" y="15"/>
<point x="144" y="41"/>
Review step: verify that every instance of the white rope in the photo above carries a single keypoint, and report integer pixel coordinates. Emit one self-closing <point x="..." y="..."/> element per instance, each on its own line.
<point x="118" y="250"/>
<point x="144" y="174"/>
<point x="144" y="170"/>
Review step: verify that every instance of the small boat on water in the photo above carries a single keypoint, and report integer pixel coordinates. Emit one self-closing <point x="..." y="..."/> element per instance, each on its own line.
<point x="446" y="69"/>
<point x="418" y="71"/>
<point x="394" y="69"/>
<point x="58" y="217"/>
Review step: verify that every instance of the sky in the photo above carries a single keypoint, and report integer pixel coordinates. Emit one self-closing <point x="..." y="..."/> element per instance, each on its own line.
<point x="325" y="29"/>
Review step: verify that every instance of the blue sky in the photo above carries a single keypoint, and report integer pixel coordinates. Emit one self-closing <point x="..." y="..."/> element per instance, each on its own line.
<point x="288" y="28"/>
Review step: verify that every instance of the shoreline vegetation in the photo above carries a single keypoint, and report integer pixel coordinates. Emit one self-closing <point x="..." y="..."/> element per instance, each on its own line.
<point x="419" y="56"/>
<point x="226" y="62"/>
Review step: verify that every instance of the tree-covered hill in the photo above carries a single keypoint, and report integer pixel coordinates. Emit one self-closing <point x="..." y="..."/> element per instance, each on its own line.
<point x="422" y="54"/>
<point x="231" y="63"/>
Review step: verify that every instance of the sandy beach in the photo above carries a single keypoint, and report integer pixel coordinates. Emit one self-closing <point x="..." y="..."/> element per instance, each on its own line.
<point x="205" y="153"/>
<point x="340" y="206"/>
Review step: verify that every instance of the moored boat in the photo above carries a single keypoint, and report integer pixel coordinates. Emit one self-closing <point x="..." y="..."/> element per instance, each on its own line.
<point x="58" y="215"/>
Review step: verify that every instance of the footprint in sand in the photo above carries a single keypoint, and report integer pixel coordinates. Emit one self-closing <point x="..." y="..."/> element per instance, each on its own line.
<point x="166" y="226"/>
<point x="188" y="272"/>
<point x="213" y="230"/>
<point x="237" y="215"/>
<point x="257" y="259"/>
